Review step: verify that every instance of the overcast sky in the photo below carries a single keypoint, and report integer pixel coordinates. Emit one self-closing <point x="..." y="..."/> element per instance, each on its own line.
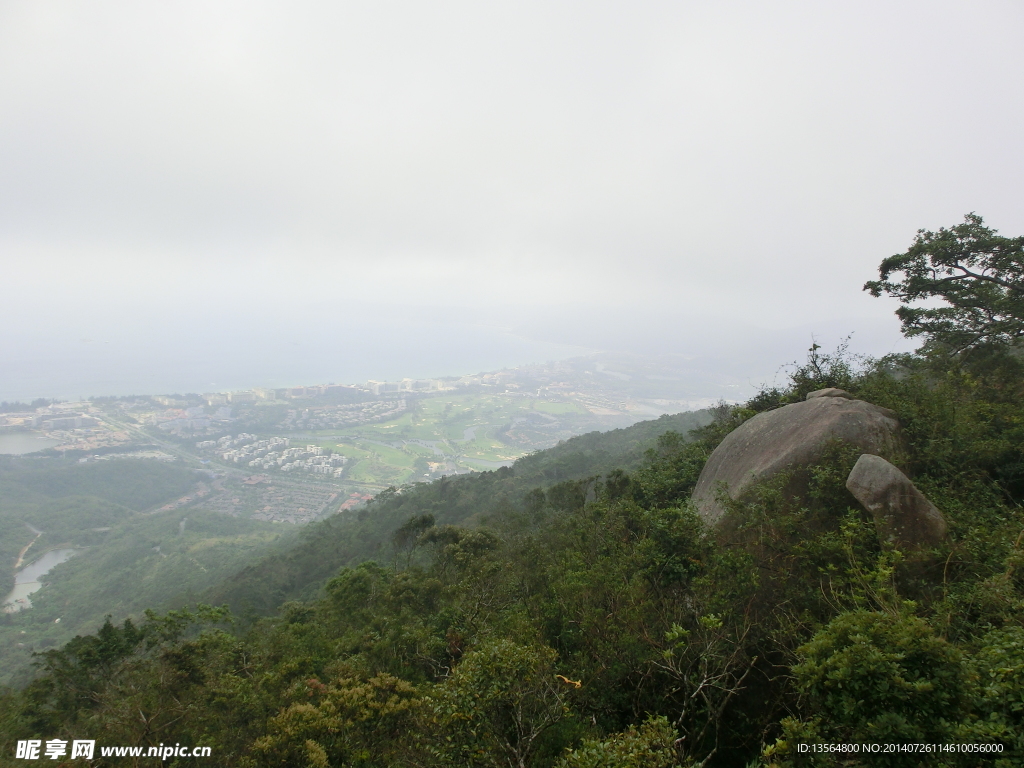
<point x="559" y="169"/>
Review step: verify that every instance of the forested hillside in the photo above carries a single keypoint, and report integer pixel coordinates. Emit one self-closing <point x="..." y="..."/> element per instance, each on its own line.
<point x="127" y="561"/>
<point x="463" y="500"/>
<point x="585" y="616"/>
<point x="66" y="500"/>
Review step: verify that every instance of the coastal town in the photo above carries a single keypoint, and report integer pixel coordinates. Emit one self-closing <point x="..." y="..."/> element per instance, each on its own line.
<point x="297" y="454"/>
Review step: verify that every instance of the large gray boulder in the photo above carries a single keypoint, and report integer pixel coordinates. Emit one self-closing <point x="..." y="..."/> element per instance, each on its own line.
<point x="904" y="517"/>
<point x="789" y="439"/>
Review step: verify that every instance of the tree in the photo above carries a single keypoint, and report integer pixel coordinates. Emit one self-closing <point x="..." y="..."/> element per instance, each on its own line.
<point x="348" y="721"/>
<point x="976" y="272"/>
<point x="407" y="537"/>
<point x="493" y="709"/>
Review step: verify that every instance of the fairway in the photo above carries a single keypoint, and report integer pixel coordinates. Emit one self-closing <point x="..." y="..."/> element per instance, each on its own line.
<point x="545" y="406"/>
<point x="452" y="432"/>
<point x="448" y="434"/>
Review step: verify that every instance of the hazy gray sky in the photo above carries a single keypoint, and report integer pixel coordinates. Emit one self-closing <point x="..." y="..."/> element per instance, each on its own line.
<point x="681" y="166"/>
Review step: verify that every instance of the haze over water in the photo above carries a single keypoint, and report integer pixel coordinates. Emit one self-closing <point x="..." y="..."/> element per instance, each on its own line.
<point x="124" y="361"/>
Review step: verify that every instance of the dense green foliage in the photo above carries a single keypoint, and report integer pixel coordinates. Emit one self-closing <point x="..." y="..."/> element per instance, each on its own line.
<point x="574" y="611"/>
<point x="877" y="677"/>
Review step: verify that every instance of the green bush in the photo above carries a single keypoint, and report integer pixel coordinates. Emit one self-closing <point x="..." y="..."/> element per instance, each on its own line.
<point x="871" y="677"/>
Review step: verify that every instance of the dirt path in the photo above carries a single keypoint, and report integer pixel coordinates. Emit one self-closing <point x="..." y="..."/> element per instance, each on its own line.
<point x="21" y="555"/>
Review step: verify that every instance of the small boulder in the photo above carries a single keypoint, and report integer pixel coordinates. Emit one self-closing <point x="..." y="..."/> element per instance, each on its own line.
<point x="790" y="439"/>
<point x="904" y="517"/>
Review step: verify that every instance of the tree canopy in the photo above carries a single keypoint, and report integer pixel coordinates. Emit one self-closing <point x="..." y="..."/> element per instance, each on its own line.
<point x="974" y="271"/>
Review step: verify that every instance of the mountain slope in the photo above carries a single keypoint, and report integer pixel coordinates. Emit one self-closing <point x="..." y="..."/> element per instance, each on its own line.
<point x="464" y="500"/>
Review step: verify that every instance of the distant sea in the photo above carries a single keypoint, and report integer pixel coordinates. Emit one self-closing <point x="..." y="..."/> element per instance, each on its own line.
<point x="204" y="353"/>
<point x="203" y="346"/>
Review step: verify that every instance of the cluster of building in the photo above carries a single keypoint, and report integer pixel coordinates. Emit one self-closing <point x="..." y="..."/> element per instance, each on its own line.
<point x="333" y="465"/>
<point x="405" y="385"/>
<point x="336" y="416"/>
<point x="52" y="418"/>
<point x="296" y="505"/>
<point x="170" y="401"/>
<point x="88" y="439"/>
<point x="438" y="385"/>
<point x="311" y="459"/>
<point x="275" y="453"/>
<point x="227" y="442"/>
<point x="202" y="491"/>
<point x="274" y="500"/>
<point x="64" y="422"/>
<point x="242" y="447"/>
<point x="354" y="499"/>
<point x="191" y="419"/>
<point x="505" y="378"/>
<point x="257" y="394"/>
<point x="77" y="426"/>
<point x="277" y="393"/>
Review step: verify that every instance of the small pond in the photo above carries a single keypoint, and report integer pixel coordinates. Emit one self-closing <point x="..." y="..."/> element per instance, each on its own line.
<point x="27" y="580"/>
<point x="18" y="443"/>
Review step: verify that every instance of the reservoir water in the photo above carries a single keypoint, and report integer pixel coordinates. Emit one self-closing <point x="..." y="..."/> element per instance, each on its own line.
<point x="27" y="580"/>
<point x="18" y="443"/>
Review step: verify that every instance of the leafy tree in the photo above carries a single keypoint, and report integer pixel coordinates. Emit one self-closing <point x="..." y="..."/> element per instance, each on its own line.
<point x="353" y="722"/>
<point x="77" y="673"/>
<point x="407" y="537"/>
<point x="140" y="683"/>
<point x="979" y="276"/>
<point x="652" y="745"/>
<point x="496" y="705"/>
<point x="672" y="468"/>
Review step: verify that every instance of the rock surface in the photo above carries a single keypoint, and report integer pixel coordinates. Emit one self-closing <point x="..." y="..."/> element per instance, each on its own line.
<point x="904" y="517"/>
<point x="791" y="438"/>
<point x="829" y="392"/>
